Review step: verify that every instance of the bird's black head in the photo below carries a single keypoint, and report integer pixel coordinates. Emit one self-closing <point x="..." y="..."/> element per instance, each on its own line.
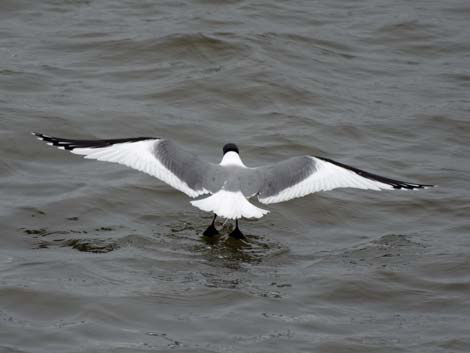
<point x="230" y="147"/>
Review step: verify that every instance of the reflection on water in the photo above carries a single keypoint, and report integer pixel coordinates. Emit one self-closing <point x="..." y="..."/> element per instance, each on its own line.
<point x="230" y="252"/>
<point x="221" y="250"/>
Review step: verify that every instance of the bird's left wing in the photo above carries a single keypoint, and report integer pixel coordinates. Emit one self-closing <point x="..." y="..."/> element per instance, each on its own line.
<point x="299" y="176"/>
<point x="160" y="158"/>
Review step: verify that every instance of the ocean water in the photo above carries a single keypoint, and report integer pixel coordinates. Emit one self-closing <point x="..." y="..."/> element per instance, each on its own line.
<point x="95" y="257"/>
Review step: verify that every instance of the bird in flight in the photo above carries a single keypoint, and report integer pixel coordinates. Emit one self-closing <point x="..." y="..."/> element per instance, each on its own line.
<point x="230" y="184"/>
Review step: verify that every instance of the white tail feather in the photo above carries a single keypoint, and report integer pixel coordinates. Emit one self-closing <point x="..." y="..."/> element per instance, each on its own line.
<point x="229" y="204"/>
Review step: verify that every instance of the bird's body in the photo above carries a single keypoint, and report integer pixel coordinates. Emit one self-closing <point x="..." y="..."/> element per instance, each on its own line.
<point x="230" y="183"/>
<point x="234" y="184"/>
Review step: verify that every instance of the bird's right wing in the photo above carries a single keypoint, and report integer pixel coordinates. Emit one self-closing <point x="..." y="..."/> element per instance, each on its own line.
<point x="160" y="158"/>
<point x="299" y="176"/>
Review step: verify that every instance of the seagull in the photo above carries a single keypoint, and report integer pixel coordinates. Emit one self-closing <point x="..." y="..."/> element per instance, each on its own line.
<point x="225" y="188"/>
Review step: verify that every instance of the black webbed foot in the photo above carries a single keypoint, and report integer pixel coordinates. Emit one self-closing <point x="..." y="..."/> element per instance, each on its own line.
<point x="236" y="233"/>
<point x="211" y="230"/>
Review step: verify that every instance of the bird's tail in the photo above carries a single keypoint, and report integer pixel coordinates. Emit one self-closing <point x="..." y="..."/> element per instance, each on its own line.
<point x="228" y="204"/>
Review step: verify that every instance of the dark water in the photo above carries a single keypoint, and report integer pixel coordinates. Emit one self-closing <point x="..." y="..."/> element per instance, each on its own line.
<point x="95" y="257"/>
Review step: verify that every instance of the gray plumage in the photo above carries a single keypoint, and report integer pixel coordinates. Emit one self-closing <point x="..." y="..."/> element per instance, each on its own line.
<point x="263" y="181"/>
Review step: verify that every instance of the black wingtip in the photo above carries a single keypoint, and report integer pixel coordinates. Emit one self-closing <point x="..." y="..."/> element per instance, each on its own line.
<point x="396" y="184"/>
<point x="410" y="186"/>
<point x="69" y="144"/>
<point x="41" y="137"/>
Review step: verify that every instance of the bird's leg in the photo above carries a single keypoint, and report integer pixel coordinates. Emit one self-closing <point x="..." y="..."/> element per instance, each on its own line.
<point x="236" y="233"/>
<point x="211" y="230"/>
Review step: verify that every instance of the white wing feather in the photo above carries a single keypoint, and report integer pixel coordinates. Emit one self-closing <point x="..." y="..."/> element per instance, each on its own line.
<point x="327" y="176"/>
<point x="138" y="155"/>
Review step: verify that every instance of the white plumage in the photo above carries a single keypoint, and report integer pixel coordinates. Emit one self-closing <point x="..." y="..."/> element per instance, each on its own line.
<point x="327" y="176"/>
<point x="229" y="204"/>
<point x="138" y="155"/>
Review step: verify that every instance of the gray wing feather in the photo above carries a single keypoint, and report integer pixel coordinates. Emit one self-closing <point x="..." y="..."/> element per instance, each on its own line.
<point x="188" y="167"/>
<point x="162" y="159"/>
<point x="279" y="176"/>
<point x="297" y="177"/>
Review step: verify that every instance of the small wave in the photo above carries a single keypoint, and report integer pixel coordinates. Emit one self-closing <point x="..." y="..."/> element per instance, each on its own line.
<point x="191" y="47"/>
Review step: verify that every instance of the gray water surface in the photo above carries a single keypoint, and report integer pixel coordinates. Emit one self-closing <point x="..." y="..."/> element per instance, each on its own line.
<point x="95" y="257"/>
